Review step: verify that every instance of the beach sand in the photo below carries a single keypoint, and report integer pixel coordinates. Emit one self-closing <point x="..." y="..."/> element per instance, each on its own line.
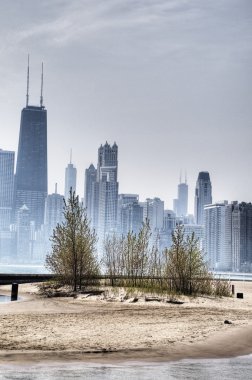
<point x="40" y="329"/>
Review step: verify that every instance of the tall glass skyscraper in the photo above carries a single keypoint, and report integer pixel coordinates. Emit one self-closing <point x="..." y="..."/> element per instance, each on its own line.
<point x="31" y="169"/>
<point x="108" y="189"/>
<point x="203" y="196"/>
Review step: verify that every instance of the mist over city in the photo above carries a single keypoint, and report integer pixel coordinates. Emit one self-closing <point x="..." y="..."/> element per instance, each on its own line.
<point x="125" y="189"/>
<point x="141" y="115"/>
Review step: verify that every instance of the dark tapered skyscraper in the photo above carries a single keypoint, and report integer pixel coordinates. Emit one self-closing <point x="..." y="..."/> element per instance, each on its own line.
<point x="31" y="169"/>
<point x="203" y="196"/>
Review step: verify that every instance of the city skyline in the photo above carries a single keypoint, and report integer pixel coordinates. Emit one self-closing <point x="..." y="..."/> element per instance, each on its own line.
<point x="168" y="81"/>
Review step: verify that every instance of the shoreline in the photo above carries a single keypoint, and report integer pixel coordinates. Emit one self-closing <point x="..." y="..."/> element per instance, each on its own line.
<point x="47" y="330"/>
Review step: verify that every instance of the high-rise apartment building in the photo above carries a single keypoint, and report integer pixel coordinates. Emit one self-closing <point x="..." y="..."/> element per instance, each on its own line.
<point x="241" y="236"/>
<point x="228" y="236"/>
<point x="31" y="168"/>
<point x="6" y="187"/>
<point x="217" y="233"/>
<point x="203" y="196"/>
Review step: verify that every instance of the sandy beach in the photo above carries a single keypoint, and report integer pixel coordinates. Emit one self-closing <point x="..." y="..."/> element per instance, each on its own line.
<point x="90" y="328"/>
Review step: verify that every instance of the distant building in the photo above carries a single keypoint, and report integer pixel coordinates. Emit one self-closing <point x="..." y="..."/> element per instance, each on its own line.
<point x="215" y="234"/>
<point x="53" y="212"/>
<point x="180" y="205"/>
<point x="23" y="235"/>
<point x="203" y="196"/>
<point x="130" y="214"/>
<point x="6" y="187"/>
<point x="31" y="168"/>
<point x="197" y="230"/>
<point x="242" y="236"/>
<point x="154" y="213"/>
<point x="89" y="190"/>
<point x="70" y="179"/>
<point x="228" y="236"/>
<point x="106" y="191"/>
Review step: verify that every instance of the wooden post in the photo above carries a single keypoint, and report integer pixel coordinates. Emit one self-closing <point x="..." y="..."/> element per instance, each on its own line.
<point x="233" y="289"/>
<point x="14" y="292"/>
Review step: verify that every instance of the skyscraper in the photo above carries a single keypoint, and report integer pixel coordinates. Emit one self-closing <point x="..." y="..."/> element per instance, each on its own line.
<point x="228" y="235"/>
<point x="108" y="189"/>
<point x="53" y="212"/>
<point x="130" y="214"/>
<point x="70" y="178"/>
<point x="31" y="169"/>
<point x="154" y="212"/>
<point x="241" y="236"/>
<point x="6" y="187"/>
<point x="218" y="236"/>
<point x="90" y="180"/>
<point x="203" y="196"/>
<point x="180" y="204"/>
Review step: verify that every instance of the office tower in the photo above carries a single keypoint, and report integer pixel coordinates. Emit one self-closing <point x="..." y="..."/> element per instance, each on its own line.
<point x="182" y="199"/>
<point x="70" y="178"/>
<point x="130" y="214"/>
<point x="31" y="169"/>
<point x="53" y="212"/>
<point x="6" y="187"/>
<point x="203" y="196"/>
<point x="90" y="180"/>
<point x="228" y="236"/>
<point x="154" y="212"/>
<point x="107" y="189"/>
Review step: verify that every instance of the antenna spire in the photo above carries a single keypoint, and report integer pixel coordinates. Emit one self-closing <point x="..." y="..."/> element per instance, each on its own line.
<point x="28" y="77"/>
<point x="70" y="155"/>
<point x="42" y="83"/>
<point x="186" y="177"/>
<point x="180" y="175"/>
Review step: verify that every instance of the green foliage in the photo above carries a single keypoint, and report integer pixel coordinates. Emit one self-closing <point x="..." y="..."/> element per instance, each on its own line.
<point x="128" y="255"/>
<point x="185" y="265"/>
<point x="73" y="246"/>
<point x="181" y="269"/>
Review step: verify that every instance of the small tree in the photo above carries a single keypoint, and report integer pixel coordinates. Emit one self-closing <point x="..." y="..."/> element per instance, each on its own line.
<point x="185" y="265"/>
<point x="73" y="245"/>
<point x="128" y="255"/>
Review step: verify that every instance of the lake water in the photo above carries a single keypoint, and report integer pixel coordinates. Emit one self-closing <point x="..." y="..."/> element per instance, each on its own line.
<point x="4" y="298"/>
<point x="224" y="369"/>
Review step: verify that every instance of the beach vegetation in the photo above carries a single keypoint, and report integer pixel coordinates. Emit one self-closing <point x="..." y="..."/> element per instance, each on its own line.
<point x="132" y="261"/>
<point x="73" y="254"/>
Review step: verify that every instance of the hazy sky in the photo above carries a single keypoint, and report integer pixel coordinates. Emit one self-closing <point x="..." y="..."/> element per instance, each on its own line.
<point x="169" y="80"/>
